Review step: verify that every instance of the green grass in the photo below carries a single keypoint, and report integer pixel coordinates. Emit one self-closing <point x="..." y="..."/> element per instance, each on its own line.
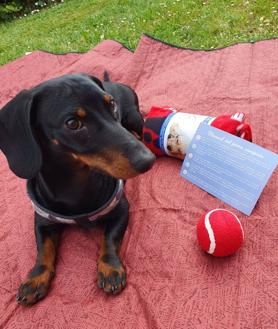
<point x="78" y="25"/>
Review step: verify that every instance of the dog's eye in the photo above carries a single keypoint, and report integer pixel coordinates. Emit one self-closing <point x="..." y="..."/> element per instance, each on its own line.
<point x="73" y="124"/>
<point x="114" y="109"/>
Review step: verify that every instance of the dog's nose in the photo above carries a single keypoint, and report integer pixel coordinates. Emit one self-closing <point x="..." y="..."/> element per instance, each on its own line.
<point x="144" y="162"/>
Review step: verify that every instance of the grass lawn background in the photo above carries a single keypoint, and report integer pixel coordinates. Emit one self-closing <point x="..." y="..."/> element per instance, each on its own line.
<point x="78" y="25"/>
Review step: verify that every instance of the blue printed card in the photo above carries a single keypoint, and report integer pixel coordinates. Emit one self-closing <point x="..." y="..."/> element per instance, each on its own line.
<point x="228" y="167"/>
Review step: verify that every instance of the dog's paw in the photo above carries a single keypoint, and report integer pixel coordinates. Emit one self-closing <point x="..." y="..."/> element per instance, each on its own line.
<point x="34" y="288"/>
<point x="111" y="279"/>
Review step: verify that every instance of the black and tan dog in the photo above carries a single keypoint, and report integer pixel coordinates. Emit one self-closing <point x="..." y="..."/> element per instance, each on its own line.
<point x="71" y="137"/>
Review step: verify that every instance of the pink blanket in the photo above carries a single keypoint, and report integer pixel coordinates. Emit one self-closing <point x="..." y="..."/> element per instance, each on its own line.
<point x="171" y="283"/>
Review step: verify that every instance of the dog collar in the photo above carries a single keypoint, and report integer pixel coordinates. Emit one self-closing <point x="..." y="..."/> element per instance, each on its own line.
<point x="91" y="217"/>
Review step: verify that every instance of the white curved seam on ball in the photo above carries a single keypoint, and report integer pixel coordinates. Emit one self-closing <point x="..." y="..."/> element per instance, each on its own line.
<point x="237" y="220"/>
<point x="210" y="232"/>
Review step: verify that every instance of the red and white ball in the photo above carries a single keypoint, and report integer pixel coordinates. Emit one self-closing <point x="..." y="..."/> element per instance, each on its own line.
<point x="220" y="233"/>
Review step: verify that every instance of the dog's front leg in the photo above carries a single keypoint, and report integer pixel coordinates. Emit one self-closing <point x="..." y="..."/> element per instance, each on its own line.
<point x="37" y="283"/>
<point x="111" y="272"/>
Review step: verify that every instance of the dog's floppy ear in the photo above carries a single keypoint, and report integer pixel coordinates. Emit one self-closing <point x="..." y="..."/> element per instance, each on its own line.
<point x="16" y="136"/>
<point x="97" y="81"/>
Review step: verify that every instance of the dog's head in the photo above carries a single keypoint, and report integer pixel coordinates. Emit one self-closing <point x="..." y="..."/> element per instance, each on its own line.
<point x="71" y="116"/>
<point x="175" y="143"/>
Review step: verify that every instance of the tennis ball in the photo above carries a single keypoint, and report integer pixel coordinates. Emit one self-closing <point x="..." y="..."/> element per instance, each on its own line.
<point x="219" y="232"/>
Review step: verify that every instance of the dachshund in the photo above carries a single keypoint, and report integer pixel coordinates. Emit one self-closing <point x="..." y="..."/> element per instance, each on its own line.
<point x="75" y="140"/>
